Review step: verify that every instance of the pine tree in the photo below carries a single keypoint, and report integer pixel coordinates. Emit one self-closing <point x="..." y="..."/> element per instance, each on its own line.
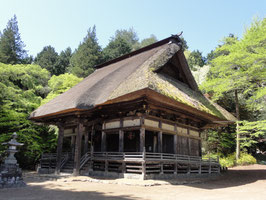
<point x="194" y="59"/>
<point x="48" y="58"/>
<point x="116" y="47"/>
<point x="11" y="46"/>
<point x="86" y="56"/>
<point x="64" y="60"/>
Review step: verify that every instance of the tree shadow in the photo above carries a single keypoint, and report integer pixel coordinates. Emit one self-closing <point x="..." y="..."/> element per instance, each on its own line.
<point x="44" y="190"/>
<point x="232" y="178"/>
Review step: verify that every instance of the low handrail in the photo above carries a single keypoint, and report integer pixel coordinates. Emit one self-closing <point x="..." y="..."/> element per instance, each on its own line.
<point x="51" y="158"/>
<point x="151" y="156"/>
<point x="64" y="160"/>
<point x="84" y="159"/>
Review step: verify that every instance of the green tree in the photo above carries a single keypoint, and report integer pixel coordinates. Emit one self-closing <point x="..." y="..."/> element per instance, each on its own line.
<point x="220" y="142"/>
<point x="251" y="132"/>
<point x="60" y="84"/>
<point x="184" y="43"/>
<point x="231" y="39"/>
<point x="64" y="60"/>
<point x="48" y="58"/>
<point x="11" y="46"/>
<point x="240" y="69"/>
<point x="116" y="47"/>
<point x="21" y="90"/>
<point x="194" y="59"/>
<point x="129" y="36"/>
<point x="145" y="42"/>
<point x="123" y="42"/>
<point x="86" y="56"/>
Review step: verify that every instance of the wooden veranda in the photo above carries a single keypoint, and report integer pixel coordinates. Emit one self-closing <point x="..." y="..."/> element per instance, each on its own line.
<point x="142" y="165"/>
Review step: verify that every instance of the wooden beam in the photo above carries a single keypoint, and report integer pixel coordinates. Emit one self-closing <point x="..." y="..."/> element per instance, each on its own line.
<point x="121" y="137"/>
<point x="73" y="141"/>
<point x="80" y="130"/>
<point x="175" y="143"/>
<point x="59" y="148"/>
<point x="121" y="141"/>
<point x="160" y="142"/>
<point x="160" y="138"/>
<point x="200" y="146"/>
<point x="155" y="143"/>
<point x="189" y="144"/>
<point x="103" y="143"/>
<point x="142" y="139"/>
<point x="182" y="62"/>
<point x="86" y="140"/>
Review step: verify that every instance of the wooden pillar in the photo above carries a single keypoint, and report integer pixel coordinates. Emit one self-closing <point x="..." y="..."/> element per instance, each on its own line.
<point x="188" y="143"/>
<point x="160" y="142"/>
<point x="175" y="140"/>
<point x="92" y="147"/>
<point x="73" y="141"/>
<point x="175" y="167"/>
<point x="80" y="130"/>
<point x="103" y="143"/>
<point x="86" y="140"/>
<point x="121" y="137"/>
<point x="59" y="148"/>
<point x="155" y="144"/>
<point x="175" y="144"/>
<point x="121" y="141"/>
<point x="142" y="139"/>
<point x="200" y="145"/>
<point x="144" y="164"/>
<point x="92" y="138"/>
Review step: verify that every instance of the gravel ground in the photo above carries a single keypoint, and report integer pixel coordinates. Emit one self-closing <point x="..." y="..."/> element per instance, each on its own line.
<point x="243" y="183"/>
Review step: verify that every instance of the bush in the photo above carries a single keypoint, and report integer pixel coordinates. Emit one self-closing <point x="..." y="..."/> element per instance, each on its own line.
<point x="230" y="161"/>
<point x="246" y="159"/>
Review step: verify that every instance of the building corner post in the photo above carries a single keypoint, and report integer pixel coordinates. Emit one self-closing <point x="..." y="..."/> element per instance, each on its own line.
<point x="59" y="148"/>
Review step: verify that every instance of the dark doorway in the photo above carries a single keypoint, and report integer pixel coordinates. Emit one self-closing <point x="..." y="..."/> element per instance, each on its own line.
<point x="97" y="140"/>
<point x="131" y="141"/>
<point x="151" y="141"/>
<point x="168" y="143"/>
<point x="67" y="144"/>
<point x="112" y="141"/>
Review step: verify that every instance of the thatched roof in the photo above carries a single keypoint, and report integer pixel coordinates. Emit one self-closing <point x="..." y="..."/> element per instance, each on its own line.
<point x="147" y="68"/>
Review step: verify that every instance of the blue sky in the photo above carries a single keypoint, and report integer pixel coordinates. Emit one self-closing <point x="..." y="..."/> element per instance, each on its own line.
<point x="63" y="23"/>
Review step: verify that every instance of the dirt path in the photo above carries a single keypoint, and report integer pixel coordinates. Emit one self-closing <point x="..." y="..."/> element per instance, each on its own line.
<point x="243" y="183"/>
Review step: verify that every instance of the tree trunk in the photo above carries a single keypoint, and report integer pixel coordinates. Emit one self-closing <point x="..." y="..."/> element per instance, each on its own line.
<point x="237" y="127"/>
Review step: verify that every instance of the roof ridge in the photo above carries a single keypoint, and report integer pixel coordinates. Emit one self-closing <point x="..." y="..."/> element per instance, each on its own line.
<point x="173" y="38"/>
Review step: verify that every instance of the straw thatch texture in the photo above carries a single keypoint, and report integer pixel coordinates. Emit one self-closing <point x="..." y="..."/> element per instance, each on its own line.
<point x="129" y="75"/>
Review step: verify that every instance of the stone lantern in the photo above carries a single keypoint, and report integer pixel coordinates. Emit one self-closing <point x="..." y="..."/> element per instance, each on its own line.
<point x="10" y="173"/>
<point x="12" y="149"/>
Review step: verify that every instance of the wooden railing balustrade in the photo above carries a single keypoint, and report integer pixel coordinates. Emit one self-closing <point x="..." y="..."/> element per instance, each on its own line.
<point x="139" y="163"/>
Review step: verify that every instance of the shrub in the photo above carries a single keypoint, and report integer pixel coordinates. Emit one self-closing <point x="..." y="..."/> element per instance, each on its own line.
<point x="228" y="161"/>
<point x="246" y="159"/>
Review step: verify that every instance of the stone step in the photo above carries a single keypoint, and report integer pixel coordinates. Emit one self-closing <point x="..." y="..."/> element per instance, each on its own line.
<point x="66" y="171"/>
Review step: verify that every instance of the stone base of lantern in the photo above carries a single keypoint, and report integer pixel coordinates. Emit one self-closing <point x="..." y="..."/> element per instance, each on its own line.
<point x="11" y="176"/>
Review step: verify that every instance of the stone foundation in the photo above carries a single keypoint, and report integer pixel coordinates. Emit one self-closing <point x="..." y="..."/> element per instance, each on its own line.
<point x="11" y="176"/>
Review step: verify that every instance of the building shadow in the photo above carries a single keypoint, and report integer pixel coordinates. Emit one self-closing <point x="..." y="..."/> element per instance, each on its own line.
<point x="232" y="178"/>
<point x="51" y="192"/>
